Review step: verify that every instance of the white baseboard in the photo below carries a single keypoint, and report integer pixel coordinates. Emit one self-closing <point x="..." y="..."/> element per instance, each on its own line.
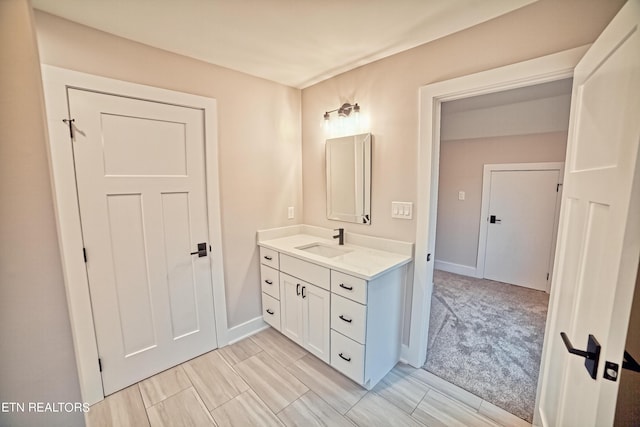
<point x="246" y="329"/>
<point x="404" y="355"/>
<point x="465" y="270"/>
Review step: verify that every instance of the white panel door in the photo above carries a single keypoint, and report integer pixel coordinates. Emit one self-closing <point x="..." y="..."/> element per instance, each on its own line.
<point x="599" y="233"/>
<point x="519" y="242"/>
<point x="317" y="321"/>
<point x="141" y="188"/>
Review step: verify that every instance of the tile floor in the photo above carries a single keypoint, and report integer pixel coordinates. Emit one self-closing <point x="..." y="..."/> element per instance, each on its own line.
<point x="267" y="380"/>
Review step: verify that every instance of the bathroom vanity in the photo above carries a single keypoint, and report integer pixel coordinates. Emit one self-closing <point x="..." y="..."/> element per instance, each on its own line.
<point x="342" y="303"/>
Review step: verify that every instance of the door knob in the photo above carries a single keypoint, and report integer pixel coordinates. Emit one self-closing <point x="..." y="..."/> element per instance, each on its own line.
<point x="202" y="250"/>
<point x="494" y="220"/>
<point x="592" y="355"/>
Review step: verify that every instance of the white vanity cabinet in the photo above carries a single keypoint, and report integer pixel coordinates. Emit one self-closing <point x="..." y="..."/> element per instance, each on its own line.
<point x="366" y="325"/>
<point x="349" y="322"/>
<point x="305" y="310"/>
<point x="270" y="284"/>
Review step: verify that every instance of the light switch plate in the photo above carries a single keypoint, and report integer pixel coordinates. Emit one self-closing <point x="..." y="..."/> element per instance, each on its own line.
<point x="290" y="212"/>
<point x="461" y="195"/>
<point x="402" y="210"/>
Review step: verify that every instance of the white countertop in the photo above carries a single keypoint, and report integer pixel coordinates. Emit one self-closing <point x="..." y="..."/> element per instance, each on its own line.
<point x="361" y="261"/>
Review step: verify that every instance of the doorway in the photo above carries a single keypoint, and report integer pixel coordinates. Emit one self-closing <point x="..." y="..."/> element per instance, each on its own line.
<point x="500" y="154"/>
<point x="58" y="83"/>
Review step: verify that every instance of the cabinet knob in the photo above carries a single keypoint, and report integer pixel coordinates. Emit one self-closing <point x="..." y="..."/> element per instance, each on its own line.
<point x="343" y="286"/>
<point x="345" y="319"/>
<point x="348" y="359"/>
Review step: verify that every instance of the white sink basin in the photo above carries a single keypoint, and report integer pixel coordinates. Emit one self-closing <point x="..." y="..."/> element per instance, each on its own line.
<point x="326" y="251"/>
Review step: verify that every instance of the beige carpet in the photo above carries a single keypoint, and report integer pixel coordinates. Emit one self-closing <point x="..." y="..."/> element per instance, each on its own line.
<point x="486" y="337"/>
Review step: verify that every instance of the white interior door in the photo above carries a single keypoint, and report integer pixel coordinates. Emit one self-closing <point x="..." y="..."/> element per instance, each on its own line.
<point x="521" y="219"/>
<point x="599" y="234"/>
<point x="141" y="189"/>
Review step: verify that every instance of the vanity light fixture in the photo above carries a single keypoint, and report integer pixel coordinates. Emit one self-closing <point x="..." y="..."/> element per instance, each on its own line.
<point x="344" y="111"/>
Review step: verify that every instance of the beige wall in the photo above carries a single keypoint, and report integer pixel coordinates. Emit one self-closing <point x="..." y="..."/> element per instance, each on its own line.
<point x="387" y="91"/>
<point x="258" y="138"/>
<point x="461" y="169"/>
<point x="37" y="363"/>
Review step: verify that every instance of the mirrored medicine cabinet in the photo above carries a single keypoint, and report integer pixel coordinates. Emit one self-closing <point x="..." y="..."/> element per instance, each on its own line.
<point x="348" y="163"/>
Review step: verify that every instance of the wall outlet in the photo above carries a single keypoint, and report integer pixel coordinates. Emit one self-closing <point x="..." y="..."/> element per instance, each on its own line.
<point x="461" y="195"/>
<point x="290" y="212"/>
<point x="402" y="210"/>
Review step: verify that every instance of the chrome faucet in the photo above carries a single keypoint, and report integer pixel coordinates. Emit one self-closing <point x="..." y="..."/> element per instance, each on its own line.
<point x="339" y="236"/>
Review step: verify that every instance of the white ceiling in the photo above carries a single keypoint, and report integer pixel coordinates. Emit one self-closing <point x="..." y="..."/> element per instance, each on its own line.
<point x="293" y="42"/>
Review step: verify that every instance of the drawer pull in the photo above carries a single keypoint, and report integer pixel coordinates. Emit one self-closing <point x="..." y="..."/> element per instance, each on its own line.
<point x="268" y="258"/>
<point x="269" y="311"/>
<point x="345" y="319"/>
<point x="348" y="359"/>
<point x="343" y="286"/>
<point x="268" y="282"/>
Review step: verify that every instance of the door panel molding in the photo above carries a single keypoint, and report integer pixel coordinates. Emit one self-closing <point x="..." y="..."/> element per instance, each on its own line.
<point x="56" y="82"/>
<point x="484" y="209"/>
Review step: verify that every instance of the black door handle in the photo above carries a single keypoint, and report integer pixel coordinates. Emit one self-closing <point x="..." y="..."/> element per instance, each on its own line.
<point x="202" y="250"/>
<point x="303" y="295"/>
<point x="494" y="220"/>
<point x="592" y="355"/>
<point x="630" y="363"/>
<point x="298" y="289"/>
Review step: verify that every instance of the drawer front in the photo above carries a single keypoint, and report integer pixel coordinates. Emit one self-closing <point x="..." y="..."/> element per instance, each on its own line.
<point x="271" y="310"/>
<point x="270" y="281"/>
<point x="348" y="286"/>
<point x="306" y="271"/>
<point x="349" y="318"/>
<point x="347" y="356"/>
<point x="269" y="257"/>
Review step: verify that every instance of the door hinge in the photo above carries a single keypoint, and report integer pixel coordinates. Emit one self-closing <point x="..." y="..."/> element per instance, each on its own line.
<point x="84" y="254"/>
<point x="558" y="187"/>
<point x="547" y="276"/>
<point x="100" y="364"/>
<point x="69" y="122"/>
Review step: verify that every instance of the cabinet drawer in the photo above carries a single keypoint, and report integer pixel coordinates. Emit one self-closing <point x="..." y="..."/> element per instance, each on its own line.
<point x="270" y="281"/>
<point x="269" y="257"/>
<point x="271" y="311"/>
<point x="306" y="271"/>
<point x="349" y="318"/>
<point x="348" y="286"/>
<point x="347" y="356"/>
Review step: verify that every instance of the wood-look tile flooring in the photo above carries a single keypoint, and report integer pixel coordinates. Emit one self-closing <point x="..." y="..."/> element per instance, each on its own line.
<point x="267" y="380"/>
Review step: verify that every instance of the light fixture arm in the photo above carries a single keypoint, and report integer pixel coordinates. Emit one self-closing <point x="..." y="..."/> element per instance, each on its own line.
<point x="344" y="110"/>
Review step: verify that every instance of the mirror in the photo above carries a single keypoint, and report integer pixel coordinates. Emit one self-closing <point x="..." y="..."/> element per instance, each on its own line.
<point x="348" y="161"/>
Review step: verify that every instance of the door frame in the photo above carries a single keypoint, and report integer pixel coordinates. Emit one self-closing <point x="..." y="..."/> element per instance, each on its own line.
<point x="484" y="209"/>
<point x="548" y="68"/>
<point x="65" y="198"/>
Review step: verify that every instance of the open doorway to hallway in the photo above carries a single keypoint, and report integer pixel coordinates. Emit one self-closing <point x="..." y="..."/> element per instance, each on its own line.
<point x="486" y="335"/>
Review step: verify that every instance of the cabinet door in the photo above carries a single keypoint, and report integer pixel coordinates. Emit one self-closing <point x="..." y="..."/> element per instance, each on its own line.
<point x="317" y="323"/>
<point x="291" y="308"/>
